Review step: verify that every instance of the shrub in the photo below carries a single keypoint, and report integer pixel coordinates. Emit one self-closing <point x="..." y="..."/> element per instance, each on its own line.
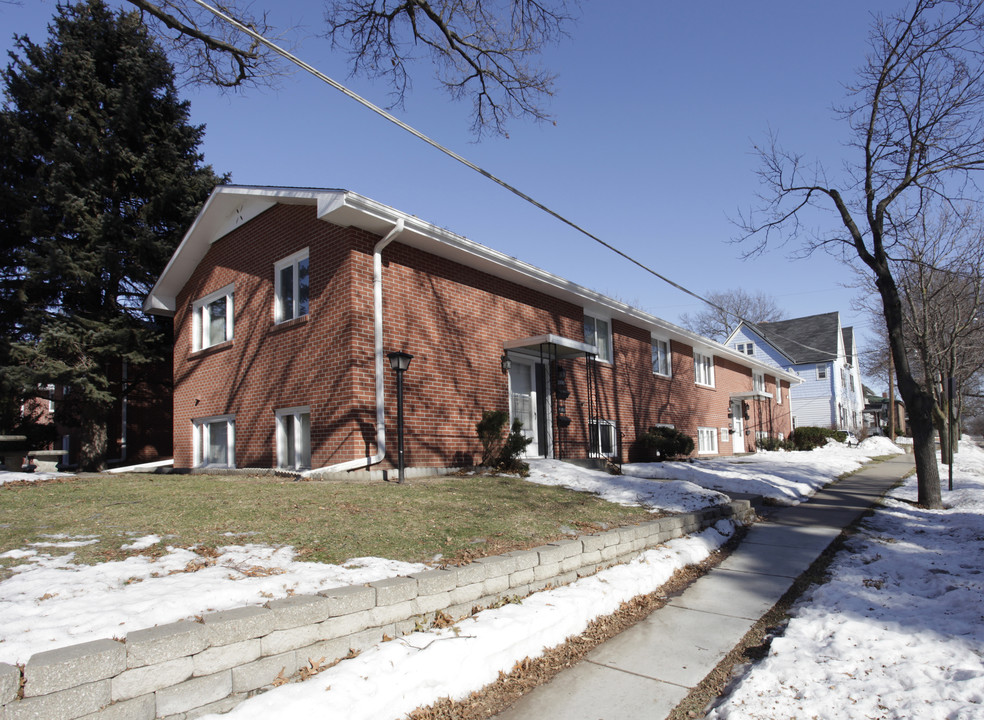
<point x="489" y="430"/>
<point x="663" y="443"/>
<point x="809" y="437"/>
<point x="498" y="452"/>
<point x="770" y="443"/>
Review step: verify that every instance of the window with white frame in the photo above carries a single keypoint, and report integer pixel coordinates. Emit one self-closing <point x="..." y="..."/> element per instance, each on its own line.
<point x="778" y="392"/>
<point x="821" y="372"/>
<point x="761" y="435"/>
<point x="294" y="438"/>
<point x="703" y="369"/>
<point x="292" y="287"/>
<point x="214" y="441"/>
<point x="745" y="348"/>
<point x="707" y="441"/>
<point x="603" y="440"/>
<point x="598" y="332"/>
<point x="758" y="381"/>
<point x="212" y="319"/>
<point x="661" y="356"/>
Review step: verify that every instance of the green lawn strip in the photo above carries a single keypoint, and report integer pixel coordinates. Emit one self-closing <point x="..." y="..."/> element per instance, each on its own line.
<point x="456" y="517"/>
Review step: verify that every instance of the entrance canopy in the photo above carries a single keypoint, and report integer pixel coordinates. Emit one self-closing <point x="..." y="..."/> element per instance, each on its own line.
<point x="553" y="346"/>
<point x="751" y="395"/>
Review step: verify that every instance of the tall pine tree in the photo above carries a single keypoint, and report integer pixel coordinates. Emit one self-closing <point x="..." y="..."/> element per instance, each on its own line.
<point x="101" y="177"/>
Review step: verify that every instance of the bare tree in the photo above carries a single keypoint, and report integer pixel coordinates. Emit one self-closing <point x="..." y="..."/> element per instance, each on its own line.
<point x="482" y="50"/>
<point x="939" y="269"/>
<point x="729" y="308"/>
<point x="917" y="121"/>
<point x="941" y="281"/>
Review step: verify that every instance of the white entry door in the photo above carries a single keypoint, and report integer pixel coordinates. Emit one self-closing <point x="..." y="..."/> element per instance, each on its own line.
<point x="737" y="427"/>
<point x="523" y="403"/>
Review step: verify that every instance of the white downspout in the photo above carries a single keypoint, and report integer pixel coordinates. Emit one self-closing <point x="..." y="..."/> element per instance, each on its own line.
<point x="377" y="316"/>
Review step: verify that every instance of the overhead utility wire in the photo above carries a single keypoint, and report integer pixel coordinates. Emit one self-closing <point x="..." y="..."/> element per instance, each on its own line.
<point x="464" y="161"/>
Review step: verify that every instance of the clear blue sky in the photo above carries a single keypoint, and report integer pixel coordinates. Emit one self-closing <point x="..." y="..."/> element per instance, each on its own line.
<point x="657" y="109"/>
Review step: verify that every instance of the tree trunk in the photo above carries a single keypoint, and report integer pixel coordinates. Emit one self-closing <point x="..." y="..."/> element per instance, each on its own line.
<point x="94" y="445"/>
<point x="917" y="399"/>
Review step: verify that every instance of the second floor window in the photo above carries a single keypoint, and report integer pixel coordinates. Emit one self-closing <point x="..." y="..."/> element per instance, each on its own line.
<point x="703" y="369"/>
<point x="661" y="356"/>
<point x="292" y="287"/>
<point x="212" y="319"/>
<point x="758" y="381"/>
<point x="598" y="332"/>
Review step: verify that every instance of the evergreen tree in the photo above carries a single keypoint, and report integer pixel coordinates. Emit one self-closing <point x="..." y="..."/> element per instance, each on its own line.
<point x="101" y="177"/>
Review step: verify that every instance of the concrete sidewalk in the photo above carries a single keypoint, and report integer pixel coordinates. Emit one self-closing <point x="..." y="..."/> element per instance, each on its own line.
<point x="646" y="671"/>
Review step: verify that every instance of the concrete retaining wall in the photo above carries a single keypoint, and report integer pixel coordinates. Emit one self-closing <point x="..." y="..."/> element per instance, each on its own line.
<point x="190" y="668"/>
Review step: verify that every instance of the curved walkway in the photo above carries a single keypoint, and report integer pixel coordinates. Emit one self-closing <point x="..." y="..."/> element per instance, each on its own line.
<point x="646" y="671"/>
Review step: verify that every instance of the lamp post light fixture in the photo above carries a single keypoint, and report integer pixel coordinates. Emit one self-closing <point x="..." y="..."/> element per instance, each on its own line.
<point x="506" y="363"/>
<point x="399" y="361"/>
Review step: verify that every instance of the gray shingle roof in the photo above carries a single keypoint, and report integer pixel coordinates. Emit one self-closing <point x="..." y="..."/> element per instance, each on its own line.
<point x="804" y="340"/>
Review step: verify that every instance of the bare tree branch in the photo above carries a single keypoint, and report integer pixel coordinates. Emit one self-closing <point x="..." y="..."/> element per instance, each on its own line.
<point x="206" y="50"/>
<point x="482" y="49"/>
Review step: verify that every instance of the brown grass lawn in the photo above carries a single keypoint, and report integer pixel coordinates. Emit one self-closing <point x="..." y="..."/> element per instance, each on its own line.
<point x="453" y="517"/>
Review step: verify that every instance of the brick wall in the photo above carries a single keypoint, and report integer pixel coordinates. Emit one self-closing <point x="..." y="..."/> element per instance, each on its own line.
<point x="453" y="319"/>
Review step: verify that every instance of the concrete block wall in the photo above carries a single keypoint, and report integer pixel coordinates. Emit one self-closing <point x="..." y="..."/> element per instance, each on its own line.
<point x="188" y="668"/>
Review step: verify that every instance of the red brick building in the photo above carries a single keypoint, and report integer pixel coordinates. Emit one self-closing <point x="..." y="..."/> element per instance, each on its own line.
<point x="286" y="302"/>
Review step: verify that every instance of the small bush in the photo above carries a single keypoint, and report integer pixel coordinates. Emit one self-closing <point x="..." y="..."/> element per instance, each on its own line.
<point x="770" y="443"/>
<point x="808" y="437"/>
<point x="502" y="453"/>
<point x="663" y="443"/>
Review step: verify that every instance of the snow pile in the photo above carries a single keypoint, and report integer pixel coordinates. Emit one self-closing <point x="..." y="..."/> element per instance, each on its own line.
<point x="394" y="678"/>
<point x="675" y="496"/>
<point x="9" y="477"/>
<point x="51" y="602"/>
<point x="788" y="478"/>
<point x="897" y="632"/>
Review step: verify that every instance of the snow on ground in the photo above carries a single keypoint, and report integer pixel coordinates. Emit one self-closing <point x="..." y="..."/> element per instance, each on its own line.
<point x="672" y="496"/>
<point x="51" y="602"/>
<point x="394" y="678"/>
<point x="898" y="632"/>
<point x="788" y="478"/>
<point x="8" y="477"/>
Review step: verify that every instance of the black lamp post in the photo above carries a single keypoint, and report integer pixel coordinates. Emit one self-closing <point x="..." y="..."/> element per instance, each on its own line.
<point x="399" y="361"/>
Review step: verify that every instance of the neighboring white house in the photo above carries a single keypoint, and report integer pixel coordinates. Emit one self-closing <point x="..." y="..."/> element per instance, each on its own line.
<point x="823" y="354"/>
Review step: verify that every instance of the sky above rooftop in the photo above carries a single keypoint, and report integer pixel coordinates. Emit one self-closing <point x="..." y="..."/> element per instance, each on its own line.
<point x="657" y="110"/>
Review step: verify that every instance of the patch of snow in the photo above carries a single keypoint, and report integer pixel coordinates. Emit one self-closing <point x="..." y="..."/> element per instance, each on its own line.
<point x="7" y="476"/>
<point x="391" y="679"/>
<point x="674" y="496"/>
<point x="51" y="602"/>
<point x="897" y="632"/>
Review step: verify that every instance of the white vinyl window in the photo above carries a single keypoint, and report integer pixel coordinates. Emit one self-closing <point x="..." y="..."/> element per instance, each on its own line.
<point x="294" y="438"/>
<point x="603" y="440"/>
<point x="707" y="441"/>
<point x="758" y="381"/>
<point x="292" y="287"/>
<point x="745" y="348"/>
<point x="703" y="369"/>
<point x="778" y="392"/>
<point x="598" y="332"/>
<point x="212" y="319"/>
<point x="661" y="356"/>
<point x="214" y="441"/>
<point x="821" y="372"/>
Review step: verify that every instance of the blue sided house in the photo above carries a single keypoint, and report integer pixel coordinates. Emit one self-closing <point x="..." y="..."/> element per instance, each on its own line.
<point x="823" y="354"/>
